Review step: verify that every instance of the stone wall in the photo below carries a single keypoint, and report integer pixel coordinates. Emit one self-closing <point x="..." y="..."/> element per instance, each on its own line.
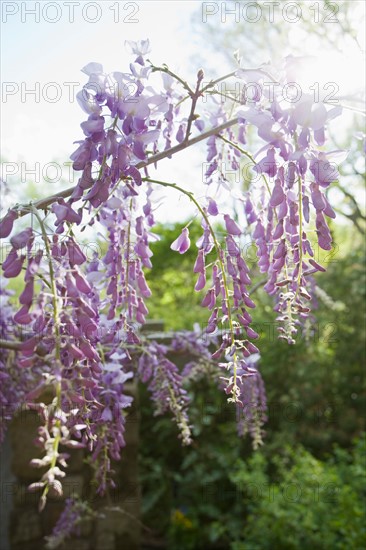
<point x="24" y="528"/>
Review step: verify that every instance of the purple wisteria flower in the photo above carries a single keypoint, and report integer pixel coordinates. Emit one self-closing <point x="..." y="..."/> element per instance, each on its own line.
<point x="6" y="224"/>
<point x="75" y="328"/>
<point x="182" y="243"/>
<point x="166" y="387"/>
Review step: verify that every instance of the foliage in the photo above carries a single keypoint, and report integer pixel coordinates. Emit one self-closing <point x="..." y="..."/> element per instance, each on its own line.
<point x="311" y="503"/>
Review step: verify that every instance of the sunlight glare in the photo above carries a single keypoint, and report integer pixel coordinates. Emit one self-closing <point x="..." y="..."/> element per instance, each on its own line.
<point x="340" y="74"/>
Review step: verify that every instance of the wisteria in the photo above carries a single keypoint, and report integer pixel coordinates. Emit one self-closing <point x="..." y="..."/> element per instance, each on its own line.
<point x="15" y="382"/>
<point x="68" y="524"/>
<point x="78" y="318"/>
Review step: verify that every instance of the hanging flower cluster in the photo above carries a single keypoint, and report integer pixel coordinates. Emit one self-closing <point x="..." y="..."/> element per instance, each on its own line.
<point x="68" y="523"/>
<point x="293" y="174"/>
<point x="15" y="382"/>
<point x="80" y="315"/>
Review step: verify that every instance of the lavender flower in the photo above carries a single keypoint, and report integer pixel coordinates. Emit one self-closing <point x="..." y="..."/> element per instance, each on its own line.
<point x="165" y="385"/>
<point x="68" y="523"/>
<point x="182" y="243"/>
<point x="81" y="316"/>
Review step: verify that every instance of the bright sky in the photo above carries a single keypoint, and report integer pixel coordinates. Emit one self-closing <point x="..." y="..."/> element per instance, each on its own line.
<point x="39" y="129"/>
<point x="47" y="55"/>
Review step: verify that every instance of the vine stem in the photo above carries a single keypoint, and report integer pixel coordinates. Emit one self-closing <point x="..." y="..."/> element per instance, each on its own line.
<point x="127" y="288"/>
<point x="301" y="254"/>
<point x="57" y="436"/>
<point x="173" y="75"/>
<point x="12" y="345"/>
<point x="249" y="156"/>
<point x="195" y="97"/>
<point x="42" y="204"/>
<point x="212" y="82"/>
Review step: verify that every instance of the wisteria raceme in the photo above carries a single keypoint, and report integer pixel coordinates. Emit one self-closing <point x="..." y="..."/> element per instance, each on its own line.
<point x="166" y="386"/>
<point x="15" y="382"/>
<point x="252" y="405"/>
<point x="195" y="346"/>
<point x="68" y="523"/>
<point x="76" y="324"/>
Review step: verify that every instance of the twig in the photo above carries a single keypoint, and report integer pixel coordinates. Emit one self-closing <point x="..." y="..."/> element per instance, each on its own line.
<point x="8" y="344"/>
<point x="195" y="97"/>
<point x="256" y="286"/>
<point x="42" y="204"/>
